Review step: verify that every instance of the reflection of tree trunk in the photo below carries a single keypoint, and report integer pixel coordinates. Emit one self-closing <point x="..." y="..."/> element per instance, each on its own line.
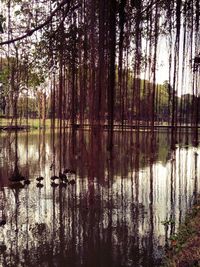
<point x="195" y="177"/>
<point x="173" y="191"/>
<point x="151" y="204"/>
<point x="43" y="109"/>
<point x="61" y="223"/>
<point x="17" y="206"/>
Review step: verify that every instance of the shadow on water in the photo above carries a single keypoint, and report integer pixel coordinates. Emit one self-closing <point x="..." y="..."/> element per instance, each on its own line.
<point x="113" y="213"/>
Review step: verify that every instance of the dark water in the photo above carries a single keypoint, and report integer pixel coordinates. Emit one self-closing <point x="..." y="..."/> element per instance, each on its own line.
<point x="113" y="214"/>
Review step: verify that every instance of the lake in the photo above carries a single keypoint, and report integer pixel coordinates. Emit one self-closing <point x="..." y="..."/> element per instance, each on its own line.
<point x="121" y="210"/>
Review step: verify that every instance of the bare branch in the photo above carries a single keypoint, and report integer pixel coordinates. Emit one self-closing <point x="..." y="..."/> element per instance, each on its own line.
<point x="30" y="32"/>
<point x="151" y="5"/>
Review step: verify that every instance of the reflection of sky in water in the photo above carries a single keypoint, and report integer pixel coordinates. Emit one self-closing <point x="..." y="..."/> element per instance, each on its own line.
<point x="114" y="211"/>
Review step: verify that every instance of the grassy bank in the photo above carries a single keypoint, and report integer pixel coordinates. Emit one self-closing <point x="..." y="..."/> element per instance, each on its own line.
<point x="185" y="245"/>
<point x="32" y="123"/>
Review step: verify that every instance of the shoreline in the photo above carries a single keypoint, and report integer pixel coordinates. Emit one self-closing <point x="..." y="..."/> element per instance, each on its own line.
<point x="184" y="250"/>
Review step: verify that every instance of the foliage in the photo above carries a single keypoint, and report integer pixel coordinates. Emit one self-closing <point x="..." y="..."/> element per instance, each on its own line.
<point x="95" y="54"/>
<point x="184" y="250"/>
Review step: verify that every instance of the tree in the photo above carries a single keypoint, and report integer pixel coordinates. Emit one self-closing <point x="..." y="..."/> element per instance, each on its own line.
<point x="104" y="55"/>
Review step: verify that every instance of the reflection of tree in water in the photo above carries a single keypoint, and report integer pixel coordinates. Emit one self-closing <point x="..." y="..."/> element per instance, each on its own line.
<point x="44" y="149"/>
<point x="109" y="216"/>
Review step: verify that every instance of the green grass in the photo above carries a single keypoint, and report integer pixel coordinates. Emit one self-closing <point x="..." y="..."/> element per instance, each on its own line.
<point x="33" y="123"/>
<point x="185" y="245"/>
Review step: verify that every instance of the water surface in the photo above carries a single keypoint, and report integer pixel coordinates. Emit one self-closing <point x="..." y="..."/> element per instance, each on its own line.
<point x="113" y="214"/>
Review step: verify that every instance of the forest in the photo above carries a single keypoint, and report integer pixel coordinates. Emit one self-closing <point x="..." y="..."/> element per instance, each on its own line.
<point x="99" y="133"/>
<point x="97" y="62"/>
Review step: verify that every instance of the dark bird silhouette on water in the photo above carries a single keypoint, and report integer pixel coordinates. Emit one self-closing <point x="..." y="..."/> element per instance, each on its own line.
<point x="39" y="185"/>
<point x="62" y="176"/>
<point x="39" y="179"/>
<point x="54" y="177"/>
<point x="16" y="176"/>
<point x="53" y="184"/>
<point x="2" y="222"/>
<point x="16" y="185"/>
<point x="27" y="182"/>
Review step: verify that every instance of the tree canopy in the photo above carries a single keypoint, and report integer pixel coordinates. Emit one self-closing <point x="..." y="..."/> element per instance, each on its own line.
<point x="102" y="59"/>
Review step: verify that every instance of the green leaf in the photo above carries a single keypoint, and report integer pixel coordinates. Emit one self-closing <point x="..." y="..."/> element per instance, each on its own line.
<point x="17" y="12"/>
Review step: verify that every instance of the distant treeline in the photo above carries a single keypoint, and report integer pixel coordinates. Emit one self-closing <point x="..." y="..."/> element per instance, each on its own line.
<point x="84" y="61"/>
<point x="39" y="105"/>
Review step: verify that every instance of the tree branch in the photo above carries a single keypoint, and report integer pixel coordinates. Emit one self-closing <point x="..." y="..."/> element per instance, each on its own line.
<point x="30" y="32"/>
<point x="151" y="5"/>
